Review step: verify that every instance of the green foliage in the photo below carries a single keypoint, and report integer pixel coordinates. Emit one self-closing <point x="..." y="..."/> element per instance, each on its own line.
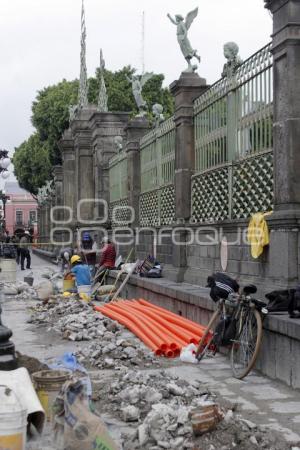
<point x="50" y="116"/>
<point x="32" y="166"/>
<point x="119" y="91"/>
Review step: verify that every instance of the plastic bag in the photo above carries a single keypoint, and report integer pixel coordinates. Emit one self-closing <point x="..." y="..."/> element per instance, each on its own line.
<point x="188" y="354"/>
<point x="128" y="267"/>
<point x="44" y="290"/>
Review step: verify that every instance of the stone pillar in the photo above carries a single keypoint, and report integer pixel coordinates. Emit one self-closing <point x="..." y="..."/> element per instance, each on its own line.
<point x="66" y="145"/>
<point x="185" y="91"/>
<point x="84" y="167"/>
<point x="286" y="69"/>
<point x="135" y="130"/>
<point x="105" y="127"/>
<point x="58" y="183"/>
<point x="284" y="223"/>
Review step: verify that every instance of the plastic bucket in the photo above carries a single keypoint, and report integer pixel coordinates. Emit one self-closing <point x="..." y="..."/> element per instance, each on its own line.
<point x="68" y="284"/>
<point x="8" y="270"/>
<point x="13" y="421"/>
<point x="48" y="383"/>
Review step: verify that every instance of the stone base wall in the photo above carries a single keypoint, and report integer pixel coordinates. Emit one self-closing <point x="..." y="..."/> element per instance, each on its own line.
<point x="200" y="255"/>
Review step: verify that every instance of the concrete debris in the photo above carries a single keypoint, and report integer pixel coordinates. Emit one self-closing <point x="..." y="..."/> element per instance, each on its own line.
<point x="157" y="408"/>
<point x="160" y="402"/>
<point x="107" y="348"/>
<point x="21" y="290"/>
<point x="130" y="413"/>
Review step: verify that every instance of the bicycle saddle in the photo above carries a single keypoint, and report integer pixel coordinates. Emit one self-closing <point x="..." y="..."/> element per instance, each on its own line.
<point x="249" y="289"/>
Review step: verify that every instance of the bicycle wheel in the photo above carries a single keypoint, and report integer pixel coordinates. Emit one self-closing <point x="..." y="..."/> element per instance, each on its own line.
<point x="246" y="344"/>
<point x="208" y="336"/>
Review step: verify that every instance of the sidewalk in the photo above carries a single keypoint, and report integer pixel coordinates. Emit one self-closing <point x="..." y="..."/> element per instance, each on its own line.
<point x="258" y="398"/>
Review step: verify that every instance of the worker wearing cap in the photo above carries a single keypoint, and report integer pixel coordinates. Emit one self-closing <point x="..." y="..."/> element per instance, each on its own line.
<point x="82" y="274"/>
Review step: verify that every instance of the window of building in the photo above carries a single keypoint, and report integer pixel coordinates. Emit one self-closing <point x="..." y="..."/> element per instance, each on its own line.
<point x="19" y="217"/>
<point x="32" y="216"/>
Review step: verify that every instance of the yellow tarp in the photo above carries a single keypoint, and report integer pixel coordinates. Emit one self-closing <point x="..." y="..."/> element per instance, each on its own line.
<point x="258" y="233"/>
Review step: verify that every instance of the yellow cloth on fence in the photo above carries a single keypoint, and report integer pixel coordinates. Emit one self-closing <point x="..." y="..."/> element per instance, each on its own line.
<point x="258" y="233"/>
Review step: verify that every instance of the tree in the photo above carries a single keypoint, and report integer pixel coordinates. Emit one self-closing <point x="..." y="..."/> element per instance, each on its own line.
<point x="32" y="165"/>
<point x="50" y="117"/>
<point x="50" y="114"/>
<point x="119" y="91"/>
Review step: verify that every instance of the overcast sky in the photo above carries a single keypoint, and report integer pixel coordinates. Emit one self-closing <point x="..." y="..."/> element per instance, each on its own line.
<point x="40" y="44"/>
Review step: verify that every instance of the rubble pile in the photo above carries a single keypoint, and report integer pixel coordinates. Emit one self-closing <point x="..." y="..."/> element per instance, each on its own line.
<point x="20" y="290"/>
<point x="110" y="346"/>
<point x="157" y="408"/>
<point x="158" y="404"/>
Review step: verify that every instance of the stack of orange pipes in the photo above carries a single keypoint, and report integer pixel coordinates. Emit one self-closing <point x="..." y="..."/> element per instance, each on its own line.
<point x="164" y="332"/>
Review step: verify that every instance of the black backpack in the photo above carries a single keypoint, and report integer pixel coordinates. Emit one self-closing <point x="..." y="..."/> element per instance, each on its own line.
<point x="294" y="303"/>
<point x="221" y="285"/>
<point x="285" y="300"/>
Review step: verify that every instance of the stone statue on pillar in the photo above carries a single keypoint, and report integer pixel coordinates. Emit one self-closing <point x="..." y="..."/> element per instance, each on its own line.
<point x="231" y="50"/>
<point x="102" y="99"/>
<point x="157" y="110"/>
<point x="83" y="82"/>
<point x="118" y="141"/>
<point x="72" y="112"/>
<point x="137" y="83"/>
<point x="182" y="37"/>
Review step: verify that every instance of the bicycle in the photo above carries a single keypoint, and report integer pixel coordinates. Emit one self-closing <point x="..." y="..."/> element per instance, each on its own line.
<point x="237" y="322"/>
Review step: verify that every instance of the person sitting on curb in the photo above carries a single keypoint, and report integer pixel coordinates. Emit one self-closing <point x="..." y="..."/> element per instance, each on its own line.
<point x="107" y="259"/>
<point x="82" y="274"/>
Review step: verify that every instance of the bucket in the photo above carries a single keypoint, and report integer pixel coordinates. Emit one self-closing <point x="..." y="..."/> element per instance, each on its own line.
<point x="8" y="270"/>
<point x="68" y="283"/>
<point x="48" y="383"/>
<point x="13" y="421"/>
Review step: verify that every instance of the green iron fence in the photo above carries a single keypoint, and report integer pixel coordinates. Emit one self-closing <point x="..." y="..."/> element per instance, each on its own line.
<point x="233" y="144"/>
<point x="118" y="191"/>
<point x="157" y="199"/>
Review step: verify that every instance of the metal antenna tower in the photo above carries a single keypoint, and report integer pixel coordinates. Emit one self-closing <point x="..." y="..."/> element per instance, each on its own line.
<point x="143" y="42"/>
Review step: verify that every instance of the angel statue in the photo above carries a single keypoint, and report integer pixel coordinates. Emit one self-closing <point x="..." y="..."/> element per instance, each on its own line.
<point x="137" y="83"/>
<point x="182" y="37"/>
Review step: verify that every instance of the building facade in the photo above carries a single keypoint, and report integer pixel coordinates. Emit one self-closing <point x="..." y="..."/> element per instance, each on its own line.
<point x="20" y="209"/>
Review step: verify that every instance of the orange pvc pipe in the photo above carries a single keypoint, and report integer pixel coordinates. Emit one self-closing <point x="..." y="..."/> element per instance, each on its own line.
<point x="131" y="326"/>
<point x="167" y="327"/>
<point x="151" y="324"/>
<point x="174" y="341"/>
<point x="184" y="334"/>
<point x="164" y="310"/>
<point x="169" y="352"/>
<point x="188" y="325"/>
<point x="156" y="338"/>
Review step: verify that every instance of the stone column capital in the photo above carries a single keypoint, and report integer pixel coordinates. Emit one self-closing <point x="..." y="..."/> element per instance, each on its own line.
<point x="274" y="5"/>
